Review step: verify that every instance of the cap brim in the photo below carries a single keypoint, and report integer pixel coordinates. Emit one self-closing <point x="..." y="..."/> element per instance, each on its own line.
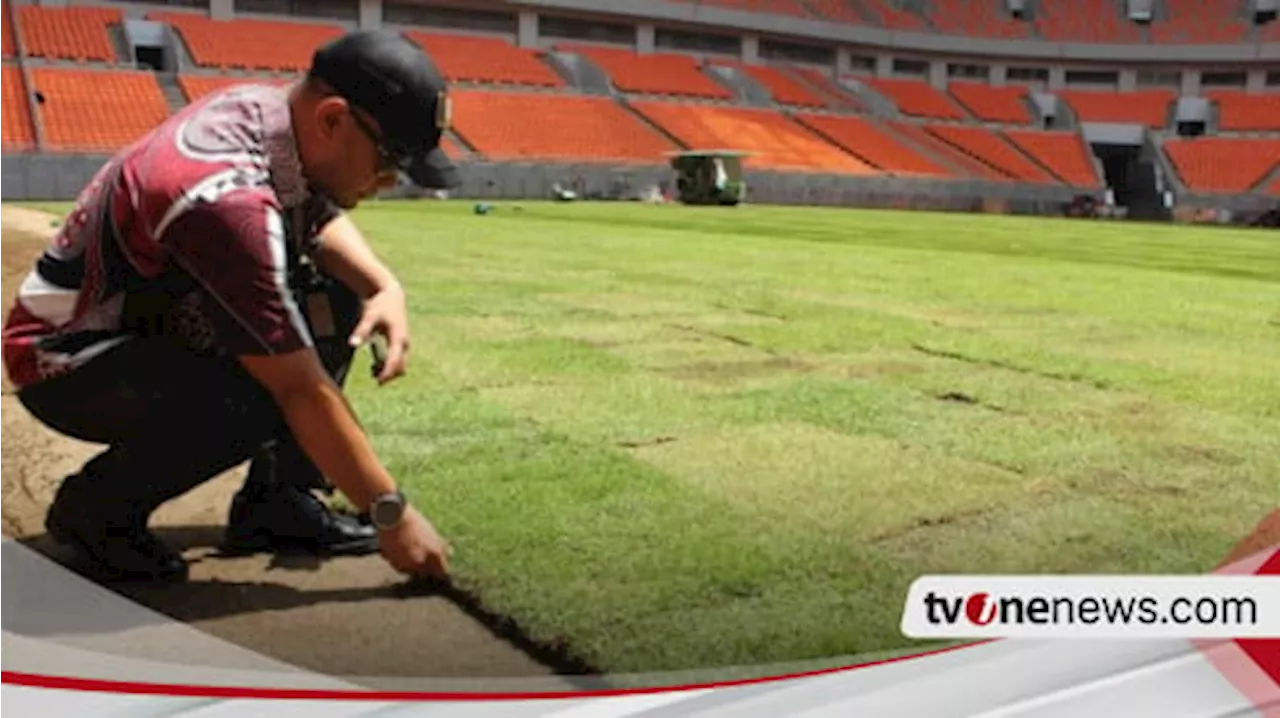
<point x="433" y="170"/>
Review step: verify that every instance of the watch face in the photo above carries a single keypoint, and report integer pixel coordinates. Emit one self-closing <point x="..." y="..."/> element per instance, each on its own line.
<point x="387" y="511"/>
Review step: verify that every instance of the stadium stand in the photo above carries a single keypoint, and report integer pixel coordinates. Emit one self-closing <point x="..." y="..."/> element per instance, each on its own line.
<point x="948" y="152"/>
<point x="876" y="146"/>
<point x="837" y="95"/>
<point x="1220" y="164"/>
<point x="773" y="140"/>
<point x="9" y="48"/>
<point x="840" y="11"/>
<point x="1246" y="113"/>
<point x="1200" y="22"/>
<point x="68" y="33"/>
<point x="1145" y="107"/>
<point x="791" y="8"/>
<point x="915" y="97"/>
<point x="890" y="14"/>
<point x="18" y="132"/>
<point x="1085" y="21"/>
<point x="976" y="18"/>
<point x="988" y="147"/>
<point x="654" y="74"/>
<point x="568" y="128"/>
<point x="97" y="110"/>
<point x="1064" y="153"/>
<point x="1006" y="104"/>
<point x="1274" y="187"/>
<point x="490" y="60"/>
<point x="248" y="44"/>
<point x="784" y="89"/>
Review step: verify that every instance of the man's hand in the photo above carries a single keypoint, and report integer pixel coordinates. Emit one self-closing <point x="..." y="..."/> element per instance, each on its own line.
<point x="413" y="547"/>
<point x="385" y="313"/>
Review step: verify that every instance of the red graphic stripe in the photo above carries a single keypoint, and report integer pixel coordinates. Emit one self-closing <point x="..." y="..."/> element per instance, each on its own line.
<point x="67" y="683"/>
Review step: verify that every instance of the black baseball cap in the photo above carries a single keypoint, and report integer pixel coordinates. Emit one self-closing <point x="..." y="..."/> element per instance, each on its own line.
<point x="389" y="76"/>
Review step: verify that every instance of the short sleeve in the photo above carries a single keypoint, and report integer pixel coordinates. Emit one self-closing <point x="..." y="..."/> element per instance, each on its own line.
<point x="234" y="250"/>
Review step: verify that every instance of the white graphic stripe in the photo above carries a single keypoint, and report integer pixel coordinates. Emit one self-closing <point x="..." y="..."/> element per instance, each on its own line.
<point x="47" y="301"/>
<point x="280" y="267"/>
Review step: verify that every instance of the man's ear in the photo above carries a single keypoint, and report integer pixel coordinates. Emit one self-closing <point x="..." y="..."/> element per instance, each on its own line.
<point x="331" y="113"/>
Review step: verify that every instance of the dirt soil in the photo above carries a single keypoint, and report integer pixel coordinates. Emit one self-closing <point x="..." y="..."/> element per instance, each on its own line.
<point x="346" y="617"/>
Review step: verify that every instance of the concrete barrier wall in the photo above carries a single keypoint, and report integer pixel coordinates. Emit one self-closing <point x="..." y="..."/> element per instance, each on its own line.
<point x="60" y="177"/>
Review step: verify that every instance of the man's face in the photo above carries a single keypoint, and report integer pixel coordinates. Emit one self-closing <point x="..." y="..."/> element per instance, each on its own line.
<point x="350" y="162"/>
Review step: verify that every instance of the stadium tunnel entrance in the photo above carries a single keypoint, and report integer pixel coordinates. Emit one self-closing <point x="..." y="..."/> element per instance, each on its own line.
<point x="1131" y="169"/>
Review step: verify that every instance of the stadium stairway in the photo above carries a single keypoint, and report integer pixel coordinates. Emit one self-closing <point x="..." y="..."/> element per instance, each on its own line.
<point x="171" y="90"/>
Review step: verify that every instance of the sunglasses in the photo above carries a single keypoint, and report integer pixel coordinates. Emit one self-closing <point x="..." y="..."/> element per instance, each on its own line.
<point x="388" y="159"/>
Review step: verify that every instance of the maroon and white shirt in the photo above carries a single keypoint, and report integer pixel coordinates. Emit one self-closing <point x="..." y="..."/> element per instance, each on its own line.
<point x="188" y="233"/>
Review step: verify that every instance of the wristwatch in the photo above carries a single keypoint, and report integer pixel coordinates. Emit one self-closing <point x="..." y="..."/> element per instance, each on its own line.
<point x="387" y="509"/>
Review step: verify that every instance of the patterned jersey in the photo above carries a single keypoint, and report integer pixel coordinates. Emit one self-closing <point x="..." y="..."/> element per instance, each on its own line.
<point x="189" y="233"/>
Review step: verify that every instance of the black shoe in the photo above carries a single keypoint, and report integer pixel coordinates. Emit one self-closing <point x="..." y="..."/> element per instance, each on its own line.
<point x="109" y="548"/>
<point x="286" y="518"/>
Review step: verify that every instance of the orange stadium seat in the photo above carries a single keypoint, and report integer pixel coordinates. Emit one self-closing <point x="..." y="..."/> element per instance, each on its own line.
<point x="197" y="86"/>
<point x="837" y="95"/>
<point x="1006" y="104"/>
<point x="876" y="146"/>
<point x="98" y="111"/>
<point x="1220" y="164"/>
<point x="890" y="15"/>
<point x="1085" y="21"/>
<point x="915" y="97"/>
<point x="9" y="46"/>
<point x="784" y="89"/>
<point x="773" y="140"/>
<point x="840" y="11"/>
<point x="18" y="131"/>
<point x="948" y="152"/>
<point x="527" y="126"/>
<point x="657" y="73"/>
<point x="977" y="18"/>
<point x="1200" y="22"/>
<point x="1064" y="153"/>
<point x="492" y="60"/>
<point x="992" y="149"/>
<point x="1245" y="113"/>
<point x="1273" y="188"/>
<point x="68" y="33"/>
<point x="1145" y="107"/>
<point x="1270" y="32"/>
<point x="249" y="44"/>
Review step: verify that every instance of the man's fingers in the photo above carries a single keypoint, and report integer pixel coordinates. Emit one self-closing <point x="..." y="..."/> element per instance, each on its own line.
<point x="362" y="330"/>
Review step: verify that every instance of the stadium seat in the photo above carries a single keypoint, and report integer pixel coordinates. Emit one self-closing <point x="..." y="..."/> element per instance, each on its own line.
<point x="878" y="147"/>
<point x="68" y="33"/>
<point x="1246" y="113"/>
<point x="1273" y="188"/>
<point x="1064" y="153"/>
<point x="1200" y="22"/>
<point x="489" y="60"/>
<point x="915" y="97"/>
<point x="18" y="131"/>
<point x="948" y="152"/>
<point x="977" y="18"/>
<point x="1221" y="164"/>
<point x="784" y="89"/>
<point x="991" y="148"/>
<point x="97" y="111"/>
<point x="656" y="73"/>
<point x="1145" y="107"/>
<point x="514" y="125"/>
<point x="197" y="86"/>
<point x="773" y="140"/>
<point x="272" y="45"/>
<point x="1270" y="32"/>
<point x="10" y="48"/>
<point x="1006" y="104"/>
<point x="1085" y="21"/>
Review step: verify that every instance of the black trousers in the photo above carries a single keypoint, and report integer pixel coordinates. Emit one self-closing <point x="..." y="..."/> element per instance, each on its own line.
<point x="173" y="419"/>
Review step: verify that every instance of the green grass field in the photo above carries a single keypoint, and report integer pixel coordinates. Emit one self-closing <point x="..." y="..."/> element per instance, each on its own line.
<point x="674" y="438"/>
